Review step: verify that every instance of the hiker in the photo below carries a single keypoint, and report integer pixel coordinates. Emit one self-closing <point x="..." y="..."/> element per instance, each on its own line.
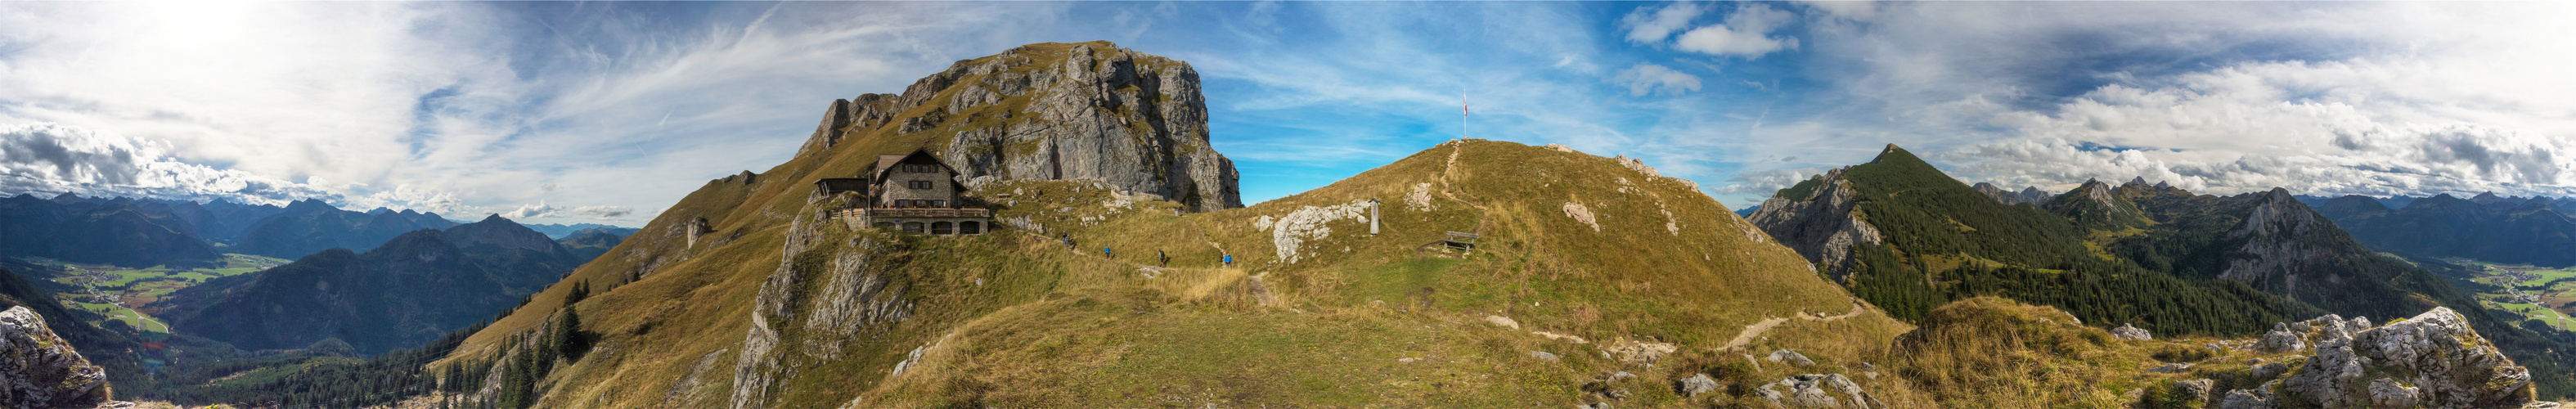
<point x="1104" y="252"/>
<point x="1229" y="261"/>
<point x="1068" y="241"/>
<point x="1161" y="259"/>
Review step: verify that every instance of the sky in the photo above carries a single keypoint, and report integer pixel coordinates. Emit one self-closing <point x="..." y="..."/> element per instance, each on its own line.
<point x="608" y="112"/>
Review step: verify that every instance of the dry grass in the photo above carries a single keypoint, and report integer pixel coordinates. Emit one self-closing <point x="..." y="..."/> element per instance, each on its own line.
<point x="1054" y="327"/>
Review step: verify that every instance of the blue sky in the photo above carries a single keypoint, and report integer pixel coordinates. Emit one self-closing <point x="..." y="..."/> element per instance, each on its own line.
<point x="606" y="112"/>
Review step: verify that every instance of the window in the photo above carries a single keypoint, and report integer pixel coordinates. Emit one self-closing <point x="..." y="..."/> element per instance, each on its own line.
<point x="920" y="184"/>
<point x="920" y="168"/>
<point x="912" y="228"/>
<point x="970" y="228"/>
<point x="942" y="228"/>
<point x="938" y="203"/>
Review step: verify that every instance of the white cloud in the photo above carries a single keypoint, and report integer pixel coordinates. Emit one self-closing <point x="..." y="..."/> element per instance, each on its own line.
<point x="53" y="158"/>
<point x="1646" y="78"/>
<point x="604" y="212"/>
<point x="2365" y="98"/>
<point x="1763" y="183"/>
<point x="1746" y="33"/>
<point x="525" y="212"/>
<point x="1653" y="25"/>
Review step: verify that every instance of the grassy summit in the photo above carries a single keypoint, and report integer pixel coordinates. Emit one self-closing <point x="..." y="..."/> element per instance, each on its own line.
<point x="1316" y="311"/>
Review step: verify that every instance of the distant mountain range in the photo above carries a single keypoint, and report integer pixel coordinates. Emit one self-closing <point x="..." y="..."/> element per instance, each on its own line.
<point x="148" y="232"/>
<point x="566" y="231"/>
<point x="414" y="288"/>
<point x="309" y="226"/>
<point x="2485" y="227"/>
<point x="119" y="231"/>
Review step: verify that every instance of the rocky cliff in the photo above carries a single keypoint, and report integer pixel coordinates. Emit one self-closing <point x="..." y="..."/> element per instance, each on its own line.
<point x="2094" y="205"/>
<point x="2030" y="194"/>
<point x="1083" y="111"/>
<point x="1819" y="218"/>
<point x="41" y="370"/>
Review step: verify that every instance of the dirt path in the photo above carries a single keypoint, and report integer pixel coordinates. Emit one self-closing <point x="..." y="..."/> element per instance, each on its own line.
<point x="1756" y="330"/>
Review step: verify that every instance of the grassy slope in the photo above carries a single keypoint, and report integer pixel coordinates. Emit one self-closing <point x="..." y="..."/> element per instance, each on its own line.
<point x="1044" y="313"/>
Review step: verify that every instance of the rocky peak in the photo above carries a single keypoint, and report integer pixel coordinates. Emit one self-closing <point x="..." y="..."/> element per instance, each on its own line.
<point x="1822" y="222"/>
<point x="2096" y="205"/>
<point x="308" y="205"/>
<point x="499" y="231"/>
<point x="40" y="370"/>
<point x="2485" y="198"/>
<point x="1054" y="111"/>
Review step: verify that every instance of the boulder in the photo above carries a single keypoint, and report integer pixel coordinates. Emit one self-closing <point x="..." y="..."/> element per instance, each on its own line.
<point x="2243" y="399"/>
<point x="2196" y="389"/>
<point x="2388" y="394"/>
<point x="2125" y="331"/>
<point x="2171" y="368"/>
<point x="1790" y="357"/>
<point x="1695" y="385"/>
<point x="40" y="370"/>
<point x="2280" y="340"/>
<point x="1543" y="356"/>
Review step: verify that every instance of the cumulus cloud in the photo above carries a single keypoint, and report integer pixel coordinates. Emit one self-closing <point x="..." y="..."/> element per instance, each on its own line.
<point x="605" y="212"/>
<point x="1649" y="78"/>
<point x="1763" y="183"/>
<point x="54" y="158"/>
<point x="1746" y="33"/>
<point x="524" y="212"/>
<point x="1652" y="25"/>
<point x="2236" y="129"/>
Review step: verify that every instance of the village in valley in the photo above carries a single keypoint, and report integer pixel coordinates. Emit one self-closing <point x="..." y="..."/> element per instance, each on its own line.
<point x="2539" y="293"/>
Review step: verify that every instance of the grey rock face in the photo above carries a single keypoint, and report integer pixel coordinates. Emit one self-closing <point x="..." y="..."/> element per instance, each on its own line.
<point x="1822" y="226"/>
<point x="2125" y="331"/>
<point x="2432" y="360"/>
<point x="1695" y="385"/>
<point x="2243" y="399"/>
<point x="2275" y="235"/>
<point x="834" y="301"/>
<point x="1817" y="391"/>
<point x="2030" y="195"/>
<point x="2388" y="394"/>
<point x="2196" y="389"/>
<point x="1089" y="111"/>
<point x="2280" y="340"/>
<point x="1790" y="357"/>
<point x="40" y="370"/>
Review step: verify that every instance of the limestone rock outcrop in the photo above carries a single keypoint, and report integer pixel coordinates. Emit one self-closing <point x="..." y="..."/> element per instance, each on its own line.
<point x="2431" y="360"/>
<point x="1052" y="111"/>
<point x="2126" y="331"/>
<point x="1821" y="225"/>
<point x="826" y="303"/>
<point x="2278" y="235"/>
<point x="1817" y="391"/>
<point x="40" y="370"/>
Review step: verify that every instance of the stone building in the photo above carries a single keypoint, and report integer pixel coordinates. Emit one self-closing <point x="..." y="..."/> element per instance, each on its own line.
<point x="914" y="193"/>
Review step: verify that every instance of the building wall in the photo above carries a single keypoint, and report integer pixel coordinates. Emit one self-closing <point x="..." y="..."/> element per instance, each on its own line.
<point x="898" y="186"/>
